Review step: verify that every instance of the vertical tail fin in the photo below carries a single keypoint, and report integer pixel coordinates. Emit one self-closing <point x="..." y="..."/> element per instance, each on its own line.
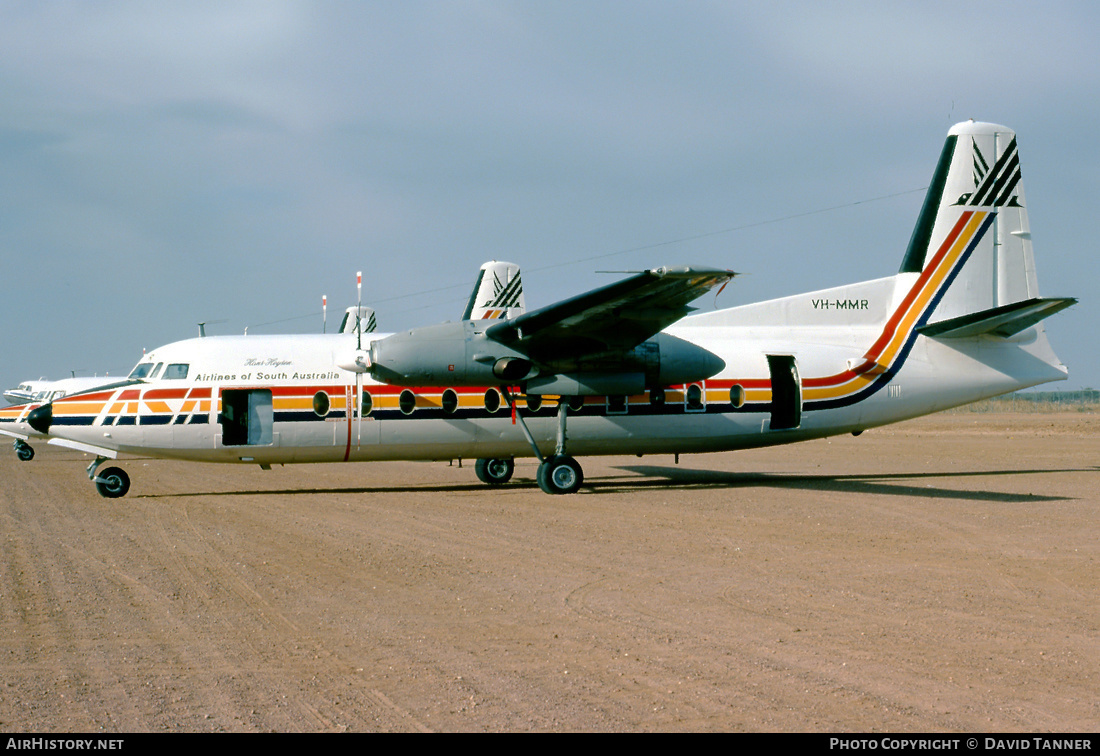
<point x="972" y="239"/>
<point x="497" y="294"/>
<point x="359" y="320"/>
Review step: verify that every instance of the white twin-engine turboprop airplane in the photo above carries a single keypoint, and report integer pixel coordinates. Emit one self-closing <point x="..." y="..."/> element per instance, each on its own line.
<point x="30" y="394"/>
<point x="622" y="369"/>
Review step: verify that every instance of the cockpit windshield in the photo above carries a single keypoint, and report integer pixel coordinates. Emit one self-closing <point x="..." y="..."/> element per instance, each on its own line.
<point x="150" y="371"/>
<point x="142" y="371"/>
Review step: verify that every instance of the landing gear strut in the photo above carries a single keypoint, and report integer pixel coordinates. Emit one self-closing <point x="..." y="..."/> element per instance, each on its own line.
<point x="23" y="450"/>
<point x="112" y="483"/>
<point x="558" y="473"/>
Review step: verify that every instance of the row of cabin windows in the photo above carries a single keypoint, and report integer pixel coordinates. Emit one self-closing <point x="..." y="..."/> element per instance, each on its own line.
<point x="493" y="401"/>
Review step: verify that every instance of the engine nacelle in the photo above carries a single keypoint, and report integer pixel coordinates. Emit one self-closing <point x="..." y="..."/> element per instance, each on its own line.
<point x="662" y="361"/>
<point x="514" y="369"/>
<point x="459" y="354"/>
<point x="682" y="362"/>
<point x="448" y="354"/>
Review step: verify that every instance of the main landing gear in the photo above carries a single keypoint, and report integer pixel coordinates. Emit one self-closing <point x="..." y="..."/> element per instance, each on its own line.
<point x="557" y="474"/>
<point x="495" y="472"/>
<point x="560" y="474"/>
<point x="23" y="450"/>
<point x="112" y="483"/>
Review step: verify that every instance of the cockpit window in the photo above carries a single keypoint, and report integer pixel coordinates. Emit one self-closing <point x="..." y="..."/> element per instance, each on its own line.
<point x="175" y="372"/>
<point x="141" y="371"/>
<point x="156" y="370"/>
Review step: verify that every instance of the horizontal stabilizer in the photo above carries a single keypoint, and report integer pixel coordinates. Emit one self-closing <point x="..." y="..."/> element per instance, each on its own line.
<point x="1004" y="321"/>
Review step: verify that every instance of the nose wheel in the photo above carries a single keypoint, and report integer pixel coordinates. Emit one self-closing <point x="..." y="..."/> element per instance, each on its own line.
<point x="112" y="483"/>
<point x="24" y="451"/>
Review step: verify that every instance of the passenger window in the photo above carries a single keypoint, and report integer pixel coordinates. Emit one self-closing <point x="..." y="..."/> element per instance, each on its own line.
<point x="737" y="396"/>
<point x="450" y="401"/>
<point x="694" y="398"/>
<point x="492" y="400"/>
<point x="321" y="404"/>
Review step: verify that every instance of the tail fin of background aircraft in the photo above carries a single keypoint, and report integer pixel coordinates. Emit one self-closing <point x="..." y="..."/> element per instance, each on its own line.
<point x="497" y="294"/>
<point x="972" y="240"/>
<point x="360" y="317"/>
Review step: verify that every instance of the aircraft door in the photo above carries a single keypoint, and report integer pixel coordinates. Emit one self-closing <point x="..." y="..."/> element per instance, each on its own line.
<point x="247" y="417"/>
<point x="786" y="392"/>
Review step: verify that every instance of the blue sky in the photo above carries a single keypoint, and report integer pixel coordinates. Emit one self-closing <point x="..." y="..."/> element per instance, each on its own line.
<point x="170" y="163"/>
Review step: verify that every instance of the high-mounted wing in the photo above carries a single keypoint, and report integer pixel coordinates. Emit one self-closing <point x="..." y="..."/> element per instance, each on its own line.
<point x="613" y="318"/>
<point x="588" y="337"/>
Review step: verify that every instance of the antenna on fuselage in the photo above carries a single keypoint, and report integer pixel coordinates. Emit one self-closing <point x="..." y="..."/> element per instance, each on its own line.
<point x="324" y="313"/>
<point x="203" y="324"/>
<point x="359" y="311"/>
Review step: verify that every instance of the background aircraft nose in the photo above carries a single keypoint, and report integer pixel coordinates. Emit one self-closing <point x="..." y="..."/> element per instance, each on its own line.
<point x="41" y="418"/>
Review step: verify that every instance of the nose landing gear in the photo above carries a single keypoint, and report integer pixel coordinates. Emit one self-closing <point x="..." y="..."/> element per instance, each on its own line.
<point x="112" y="483"/>
<point x="24" y="451"/>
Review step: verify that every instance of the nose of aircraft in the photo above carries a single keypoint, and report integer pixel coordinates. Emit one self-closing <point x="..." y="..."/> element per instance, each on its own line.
<point x="41" y="418"/>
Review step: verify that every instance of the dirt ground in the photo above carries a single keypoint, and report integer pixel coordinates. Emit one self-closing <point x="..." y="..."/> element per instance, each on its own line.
<point x="938" y="575"/>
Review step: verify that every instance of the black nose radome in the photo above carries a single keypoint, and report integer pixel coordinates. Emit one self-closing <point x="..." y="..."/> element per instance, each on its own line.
<point x="41" y="418"/>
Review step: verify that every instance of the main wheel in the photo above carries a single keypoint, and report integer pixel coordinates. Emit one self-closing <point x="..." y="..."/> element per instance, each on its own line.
<point x="112" y="483"/>
<point x="495" y="472"/>
<point x="25" y="452"/>
<point x="560" y="474"/>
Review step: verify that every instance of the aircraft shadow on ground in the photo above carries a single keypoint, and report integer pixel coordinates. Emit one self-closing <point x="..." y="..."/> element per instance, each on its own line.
<point x="884" y="484"/>
<point x="427" y="489"/>
<point x="681" y="478"/>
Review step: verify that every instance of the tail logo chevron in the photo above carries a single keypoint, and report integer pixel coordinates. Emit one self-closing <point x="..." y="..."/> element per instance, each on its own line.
<point x="996" y="187"/>
<point x="504" y="296"/>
